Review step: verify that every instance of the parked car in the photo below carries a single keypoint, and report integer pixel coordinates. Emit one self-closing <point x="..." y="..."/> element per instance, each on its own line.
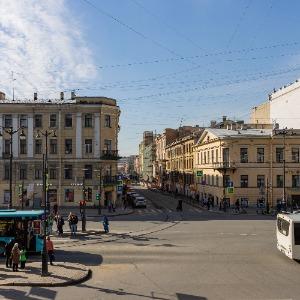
<point x="139" y="201"/>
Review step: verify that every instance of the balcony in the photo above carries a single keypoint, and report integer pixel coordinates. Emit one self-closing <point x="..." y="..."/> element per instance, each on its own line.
<point x="223" y="166"/>
<point x="109" y="180"/>
<point x="110" y="155"/>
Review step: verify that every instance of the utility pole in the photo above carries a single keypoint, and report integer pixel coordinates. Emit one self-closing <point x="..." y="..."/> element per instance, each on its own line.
<point x="83" y="218"/>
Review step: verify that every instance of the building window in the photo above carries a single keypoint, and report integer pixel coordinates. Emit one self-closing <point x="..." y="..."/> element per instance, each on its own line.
<point x="53" y="119"/>
<point x="217" y="180"/>
<point x="88" y="171"/>
<point x="244" y="181"/>
<point x="217" y="155"/>
<point x="260" y="181"/>
<point x="69" y="195"/>
<point x="38" y="173"/>
<point x="88" y="194"/>
<point x="295" y="155"/>
<point x="6" y="172"/>
<point x="107" y="145"/>
<point x="23" y="147"/>
<point x="279" y="155"/>
<point x="227" y="181"/>
<point x="53" y="146"/>
<point x="23" y="172"/>
<point x="212" y="156"/>
<point x="295" y="181"/>
<point x="68" y="146"/>
<point x="68" y="172"/>
<point x="208" y="157"/>
<point x="6" y="199"/>
<point x="7" y="121"/>
<point x="279" y="181"/>
<point x="68" y="120"/>
<point x="107" y="121"/>
<point x="38" y="121"/>
<point x="88" y="145"/>
<point x="7" y="146"/>
<point x="88" y="120"/>
<point x="38" y="146"/>
<point x="260" y="155"/>
<point x="244" y="155"/>
<point x="212" y="180"/>
<point x="23" y="121"/>
<point x="52" y="173"/>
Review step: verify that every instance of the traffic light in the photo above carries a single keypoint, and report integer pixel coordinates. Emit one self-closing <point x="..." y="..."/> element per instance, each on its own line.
<point x="97" y="196"/>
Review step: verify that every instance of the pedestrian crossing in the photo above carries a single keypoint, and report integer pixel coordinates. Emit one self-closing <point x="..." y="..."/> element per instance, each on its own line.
<point x="143" y="211"/>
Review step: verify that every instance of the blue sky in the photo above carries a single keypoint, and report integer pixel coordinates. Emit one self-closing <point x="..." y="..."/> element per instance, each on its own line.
<point x="167" y="62"/>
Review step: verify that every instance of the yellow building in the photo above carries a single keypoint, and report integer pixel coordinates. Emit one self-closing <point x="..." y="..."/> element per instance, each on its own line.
<point x="248" y="164"/>
<point x="85" y="142"/>
<point x="180" y="164"/>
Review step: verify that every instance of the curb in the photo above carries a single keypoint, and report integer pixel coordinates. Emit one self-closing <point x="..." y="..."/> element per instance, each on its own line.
<point x="51" y="284"/>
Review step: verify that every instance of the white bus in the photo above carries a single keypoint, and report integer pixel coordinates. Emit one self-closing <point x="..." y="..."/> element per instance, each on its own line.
<point x="288" y="234"/>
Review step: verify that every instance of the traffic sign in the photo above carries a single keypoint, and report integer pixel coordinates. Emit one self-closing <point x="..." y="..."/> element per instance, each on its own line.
<point x="199" y="173"/>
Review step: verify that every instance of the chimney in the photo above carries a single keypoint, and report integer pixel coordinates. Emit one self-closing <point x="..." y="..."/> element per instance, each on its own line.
<point x="61" y="95"/>
<point x="224" y="118"/>
<point x="2" y="96"/>
<point x="35" y="96"/>
<point x="73" y="95"/>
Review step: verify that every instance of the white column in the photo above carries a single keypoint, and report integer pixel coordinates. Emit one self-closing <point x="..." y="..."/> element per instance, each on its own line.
<point x="97" y="135"/>
<point x="1" y="138"/>
<point x="15" y="144"/>
<point x="30" y="136"/>
<point x="78" y="136"/>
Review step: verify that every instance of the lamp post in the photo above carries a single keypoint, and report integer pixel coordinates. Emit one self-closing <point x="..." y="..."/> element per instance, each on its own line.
<point x="11" y="132"/>
<point x="83" y="219"/>
<point x="46" y="134"/>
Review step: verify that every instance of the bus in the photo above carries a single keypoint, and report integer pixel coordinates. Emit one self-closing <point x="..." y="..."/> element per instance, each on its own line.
<point x="288" y="234"/>
<point x="23" y="227"/>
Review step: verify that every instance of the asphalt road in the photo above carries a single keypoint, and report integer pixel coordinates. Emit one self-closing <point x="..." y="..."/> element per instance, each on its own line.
<point x="158" y="253"/>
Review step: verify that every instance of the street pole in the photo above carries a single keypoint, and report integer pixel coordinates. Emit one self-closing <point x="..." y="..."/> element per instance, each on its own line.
<point x="83" y="220"/>
<point x="22" y="197"/>
<point x="10" y="167"/>
<point x="100" y="191"/>
<point x="284" y="193"/>
<point x="44" y="252"/>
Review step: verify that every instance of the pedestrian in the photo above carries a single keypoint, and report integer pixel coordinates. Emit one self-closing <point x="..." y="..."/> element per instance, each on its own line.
<point x="73" y="220"/>
<point x="8" y="248"/>
<point x="208" y="204"/>
<point x="55" y="209"/>
<point x="105" y="224"/>
<point x="15" y="255"/>
<point x="50" y="223"/>
<point x="237" y="205"/>
<point x="60" y="224"/>
<point x="50" y="250"/>
<point x="23" y="258"/>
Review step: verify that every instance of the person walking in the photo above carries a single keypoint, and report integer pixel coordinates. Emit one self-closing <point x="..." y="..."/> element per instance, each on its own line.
<point x="50" y="223"/>
<point x="73" y="220"/>
<point x="60" y="224"/>
<point x="8" y="248"/>
<point x="15" y="255"/>
<point x="105" y="224"/>
<point x="23" y="258"/>
<point x="237" y="205"/>
<point x="50" y="250"/>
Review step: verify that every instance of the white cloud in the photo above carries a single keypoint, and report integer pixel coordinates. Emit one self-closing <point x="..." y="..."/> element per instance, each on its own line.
<point x="44" y="46"/>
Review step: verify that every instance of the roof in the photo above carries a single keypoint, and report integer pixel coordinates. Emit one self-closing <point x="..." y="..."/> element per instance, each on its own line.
<point x="8" y="213"/>
<point x="292" y="216"/>
<point x="222" y="133"/>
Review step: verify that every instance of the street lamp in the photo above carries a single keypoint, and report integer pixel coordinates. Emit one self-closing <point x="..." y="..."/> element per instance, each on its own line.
<point x="11" y="132"/>
<point x="45" y="134"/>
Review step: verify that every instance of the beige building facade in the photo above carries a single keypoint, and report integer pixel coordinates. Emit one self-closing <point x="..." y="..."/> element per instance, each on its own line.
<point x="85" y="143"/>
<point x="247" y="165"/>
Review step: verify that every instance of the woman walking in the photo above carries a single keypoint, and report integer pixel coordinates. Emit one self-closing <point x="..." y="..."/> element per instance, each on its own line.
<point x="15" y="254"/>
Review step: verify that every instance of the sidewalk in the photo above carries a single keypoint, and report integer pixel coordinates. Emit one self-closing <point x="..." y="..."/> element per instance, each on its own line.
<point x="93" y="212"/>
<point x="60" y="274"/>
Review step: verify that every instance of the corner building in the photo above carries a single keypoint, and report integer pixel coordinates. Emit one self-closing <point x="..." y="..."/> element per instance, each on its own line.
<point x="85" y="143"/>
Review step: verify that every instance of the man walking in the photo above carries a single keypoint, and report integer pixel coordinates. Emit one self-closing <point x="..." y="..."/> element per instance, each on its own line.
<point x="8" y="249"/>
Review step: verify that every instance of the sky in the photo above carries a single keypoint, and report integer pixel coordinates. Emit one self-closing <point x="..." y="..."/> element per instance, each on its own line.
<point x="166" y="62"/>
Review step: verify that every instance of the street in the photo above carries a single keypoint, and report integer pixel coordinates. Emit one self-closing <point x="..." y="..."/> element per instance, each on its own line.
<point x="158" y="253"/>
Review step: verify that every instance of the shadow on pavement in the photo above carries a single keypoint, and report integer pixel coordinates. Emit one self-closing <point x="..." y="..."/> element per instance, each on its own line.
<point x="35" y="293"/>
<point x="189" y="297"/>
<point x="84" y="258"/>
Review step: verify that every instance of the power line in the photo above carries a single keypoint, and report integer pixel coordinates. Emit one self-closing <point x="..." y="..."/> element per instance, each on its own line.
<point x="180" y="34"/>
